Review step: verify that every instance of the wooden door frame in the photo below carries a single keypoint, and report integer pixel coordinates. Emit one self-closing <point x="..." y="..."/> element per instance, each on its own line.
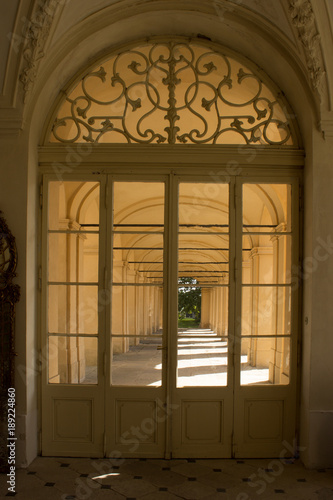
<point x="216" y="162"/>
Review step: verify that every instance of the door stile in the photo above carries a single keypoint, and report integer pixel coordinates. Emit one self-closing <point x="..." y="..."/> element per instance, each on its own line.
<point x="173" y="408"/>
<point x="238" y="282"/>
<point x="103" y="296"/>
<point x="45" y="410"/>
<point x="107" y="311"/>
<point x="296" y="225"/>
<point x="238" y="208"/>
<point x="234" y="309"/>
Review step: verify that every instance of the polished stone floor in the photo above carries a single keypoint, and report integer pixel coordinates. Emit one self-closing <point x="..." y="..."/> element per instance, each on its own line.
<point x="147" y="479"/>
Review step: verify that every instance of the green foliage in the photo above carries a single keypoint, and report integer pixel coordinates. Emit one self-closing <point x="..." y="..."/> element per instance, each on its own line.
<point x="189" y="298"/>
<point x="188" y="323"/>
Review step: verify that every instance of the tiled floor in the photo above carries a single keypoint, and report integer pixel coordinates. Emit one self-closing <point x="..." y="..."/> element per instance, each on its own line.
<point x="101" y="479"/>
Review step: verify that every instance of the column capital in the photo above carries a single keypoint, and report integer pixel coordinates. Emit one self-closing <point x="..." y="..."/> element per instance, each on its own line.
<point x="259" y="251"/>
<point x="281" y="228"/>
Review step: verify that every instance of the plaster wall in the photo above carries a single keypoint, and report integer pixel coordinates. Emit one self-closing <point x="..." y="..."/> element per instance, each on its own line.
<point x="317" y="338"/>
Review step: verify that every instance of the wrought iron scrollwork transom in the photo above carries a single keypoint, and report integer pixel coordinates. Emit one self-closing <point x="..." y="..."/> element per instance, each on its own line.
<point x="173" y="92"/>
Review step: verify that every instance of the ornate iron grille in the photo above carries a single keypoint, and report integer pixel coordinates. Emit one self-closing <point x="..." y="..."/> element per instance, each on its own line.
<point x="172" y="92"/>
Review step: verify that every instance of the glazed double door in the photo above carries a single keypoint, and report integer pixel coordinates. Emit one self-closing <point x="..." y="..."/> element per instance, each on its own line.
<point x="170" y="316"/>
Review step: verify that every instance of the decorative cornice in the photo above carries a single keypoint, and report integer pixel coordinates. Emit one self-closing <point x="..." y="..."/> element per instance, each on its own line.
<point x="36" y="34"/>
<point x="303" y="19"/>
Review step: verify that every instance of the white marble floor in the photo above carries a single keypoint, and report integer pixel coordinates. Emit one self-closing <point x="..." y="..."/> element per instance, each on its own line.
<point x="147" y="479"/>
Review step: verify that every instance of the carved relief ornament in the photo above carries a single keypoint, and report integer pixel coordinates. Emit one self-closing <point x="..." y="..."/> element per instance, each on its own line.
<point x="36" y="34"/>
<point x="303" y="19"/>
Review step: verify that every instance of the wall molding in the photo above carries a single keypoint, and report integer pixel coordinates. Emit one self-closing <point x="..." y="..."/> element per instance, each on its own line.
<point x="36" y="35"/>
<point x="303" y="19"/>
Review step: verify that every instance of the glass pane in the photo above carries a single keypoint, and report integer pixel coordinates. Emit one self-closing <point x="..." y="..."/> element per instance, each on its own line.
<point x="203" y="276"/>
<point x="203" y="258"/>
<point x="203" y="255"/>
<point x="73" y="309"/>
<point x="265" y="361"/>
<point x="73" y="257"/>
<point x="266" y="259"/>
<point x="72" y="360"/>
<point x="204" y="207"/>
<point x="143" y="255"/>
<point x="266" y="310"/>
<point x="136" y="361"/>
<point x="202" y="358"/>
<point x="202" y="342"/>
<point x="138" y="206"/>
<point x="137" y="310"/>
<point x="74" y="206"/>
<point x="266" y="208"/>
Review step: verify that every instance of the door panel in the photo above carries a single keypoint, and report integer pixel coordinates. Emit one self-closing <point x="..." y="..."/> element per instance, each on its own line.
<point x="135" y="395"/>
<point x="202" y="422"/>
<point x="136" y="423"/>
<point x="72" y="325"/>
<point x="266" y="337"/>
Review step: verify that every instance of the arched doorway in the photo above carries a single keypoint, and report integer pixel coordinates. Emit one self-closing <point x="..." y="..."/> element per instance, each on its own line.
<point x="218" y="202"/>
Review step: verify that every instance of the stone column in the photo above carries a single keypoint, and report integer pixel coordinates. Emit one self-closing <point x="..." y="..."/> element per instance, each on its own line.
<point x="160" y="320"/>
<point x="131" y="305"/>
<point x="205" y="308"/>
<point x="117" y="316"/>
<point x="279" y="365"/>
<point x="262" y="307"/>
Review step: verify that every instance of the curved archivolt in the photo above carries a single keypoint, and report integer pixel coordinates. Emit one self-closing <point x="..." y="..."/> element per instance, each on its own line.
<point x="173" y="92"/>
